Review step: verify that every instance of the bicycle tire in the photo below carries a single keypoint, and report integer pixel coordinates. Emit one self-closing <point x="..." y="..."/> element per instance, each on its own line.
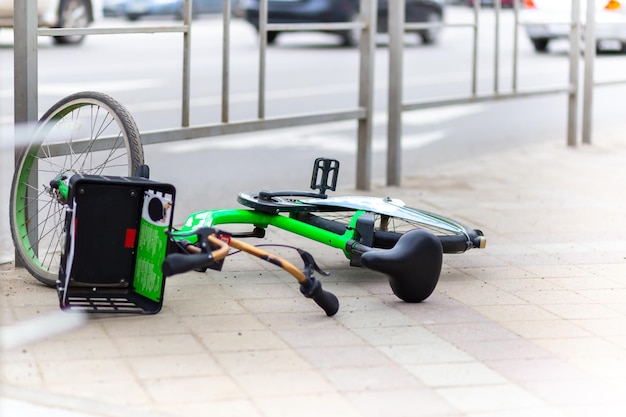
<point x="392" y="218"/>
<point x="87" y="132"/>
<point x="454" y="236"/>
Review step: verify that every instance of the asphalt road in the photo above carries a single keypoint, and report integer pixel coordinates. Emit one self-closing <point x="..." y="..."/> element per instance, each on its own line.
<point x="308" y="73"/>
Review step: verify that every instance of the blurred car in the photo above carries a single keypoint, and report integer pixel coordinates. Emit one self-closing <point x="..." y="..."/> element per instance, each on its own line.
<point x="541" y="18"/>
<point x="334" y="11"/>
<point x="58" y="14"/>
<point x="491" y="3"/>
<point x="135" y="9"/>
<point x="113" y="8"/>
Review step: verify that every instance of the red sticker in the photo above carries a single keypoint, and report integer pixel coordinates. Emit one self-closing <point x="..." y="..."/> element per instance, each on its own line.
<point x="129" y="242"/>
<point x="224" y="238"/>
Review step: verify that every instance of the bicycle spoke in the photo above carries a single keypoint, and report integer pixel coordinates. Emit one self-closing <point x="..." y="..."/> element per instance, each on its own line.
<point x="52" y="214"/>
<point x="105" y="164"/>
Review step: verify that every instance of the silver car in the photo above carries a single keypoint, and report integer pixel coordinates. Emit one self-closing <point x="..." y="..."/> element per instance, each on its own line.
<point x="58" y="14"/>
<point x="546" y="20"/>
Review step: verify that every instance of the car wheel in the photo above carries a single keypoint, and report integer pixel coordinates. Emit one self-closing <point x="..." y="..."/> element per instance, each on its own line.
<point x="429" y="35"/>
<point x="181" y="11"/>
<point x="271" y="37"/>
<point x="350" y="38"/>
<point x="73" y="14"/>
<point x="540" y="44"/>
<point x="133" y="17"/>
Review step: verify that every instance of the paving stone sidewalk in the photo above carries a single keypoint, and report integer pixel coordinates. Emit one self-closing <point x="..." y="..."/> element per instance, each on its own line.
<point x="534" y="325"/>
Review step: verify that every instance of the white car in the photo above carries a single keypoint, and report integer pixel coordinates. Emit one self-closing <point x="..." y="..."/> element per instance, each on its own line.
<point x="546" y="20"/>
<point x="58" y="14"/>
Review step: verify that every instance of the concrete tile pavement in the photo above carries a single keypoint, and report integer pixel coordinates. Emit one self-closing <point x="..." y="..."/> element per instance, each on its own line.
<point x="534" y="325"/>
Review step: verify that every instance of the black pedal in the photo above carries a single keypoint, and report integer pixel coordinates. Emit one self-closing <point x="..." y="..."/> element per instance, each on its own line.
<point x="329" y="169"/>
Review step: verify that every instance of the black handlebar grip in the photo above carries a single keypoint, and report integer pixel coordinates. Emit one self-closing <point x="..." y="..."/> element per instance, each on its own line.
<point x="177" y="263"/>
<point x="326" y="300"/>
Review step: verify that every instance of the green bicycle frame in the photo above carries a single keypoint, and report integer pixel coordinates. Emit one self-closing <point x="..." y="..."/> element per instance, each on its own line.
<point x="212" y="218"/>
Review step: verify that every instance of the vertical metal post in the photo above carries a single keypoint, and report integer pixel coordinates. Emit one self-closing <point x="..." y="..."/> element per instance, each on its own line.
<point x="187" y="8"/>
<point x="25" y="60"/>
<point x="515" y="44"/>
<point x="590" y="56"/>
<point x="574" y="54"/>
<point x="262" y="52"/>
<point x="25" y="81"/>
<point x="368" y="12"/>
<point x="475" y="49"/>
<point x="496" y="56"/>
<point x="394" y="112"/>
<point x="225" y="61"/>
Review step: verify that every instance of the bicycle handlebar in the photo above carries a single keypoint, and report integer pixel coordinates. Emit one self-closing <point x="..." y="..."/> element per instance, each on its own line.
<point x="178" y="263"/>
<point x="309" y="286"/>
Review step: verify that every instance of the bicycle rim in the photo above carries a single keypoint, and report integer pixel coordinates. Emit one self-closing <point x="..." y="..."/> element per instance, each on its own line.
<point x="395" y="224"/>
<point x="87" y="133"/>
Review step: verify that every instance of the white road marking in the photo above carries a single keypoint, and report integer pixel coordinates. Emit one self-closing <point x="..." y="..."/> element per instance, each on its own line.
<point x="60" y="89"/>
<point x="327" y="142"/>
<point x="337" y="136"/>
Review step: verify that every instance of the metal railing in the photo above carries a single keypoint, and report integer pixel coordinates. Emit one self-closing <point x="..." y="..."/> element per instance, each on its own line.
<point x="397" y="106"/>
<point x="25" y="50"/>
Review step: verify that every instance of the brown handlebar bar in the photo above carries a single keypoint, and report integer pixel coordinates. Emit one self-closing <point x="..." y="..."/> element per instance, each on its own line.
<point x="222" y="250"/>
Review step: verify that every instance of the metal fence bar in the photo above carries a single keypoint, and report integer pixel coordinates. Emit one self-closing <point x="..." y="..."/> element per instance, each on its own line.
<point x="496" y="55"/>
<point x="450" y="101"/>
<point x="193" y="132"/>
<point x="111" y="31"/>
<point x="226" y="61"/>
<point x="168" y="135"/>
<point x="186" y="96"/>
<point x="474" y="87"/>
<point x="262" y="56"/>
<point x="412" y="26"/>
<point x="25" y="81"/>
<point x="572" y="98"/>
<point x="25" y="78"/>
<point x="515" y="45"/>
<point x="296" y="27"/>
<point x="394" y="108"/>
<point x="367" y="48"/>
<point x="590" y="56"/>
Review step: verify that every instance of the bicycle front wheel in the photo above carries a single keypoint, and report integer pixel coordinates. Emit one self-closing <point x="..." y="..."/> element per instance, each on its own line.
<point x="87" y="133"/>
<point x="382" y="221"/>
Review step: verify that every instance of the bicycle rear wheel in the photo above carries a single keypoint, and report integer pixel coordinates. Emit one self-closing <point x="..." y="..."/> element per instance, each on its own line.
<point x="88" y="133"/>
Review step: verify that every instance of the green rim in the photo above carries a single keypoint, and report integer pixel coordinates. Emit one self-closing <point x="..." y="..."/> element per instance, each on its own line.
<point x="21" y="206"/>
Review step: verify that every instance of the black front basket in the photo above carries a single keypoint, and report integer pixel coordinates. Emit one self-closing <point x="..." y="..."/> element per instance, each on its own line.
<point x="115" y="242"/>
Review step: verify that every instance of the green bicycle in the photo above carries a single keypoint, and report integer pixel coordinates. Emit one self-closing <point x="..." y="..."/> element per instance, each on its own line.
<point x="91" y="133"/>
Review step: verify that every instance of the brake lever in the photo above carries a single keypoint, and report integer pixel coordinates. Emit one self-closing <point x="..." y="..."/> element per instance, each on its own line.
<point x="309" y="263"/>
<point x="312" y="288"/>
